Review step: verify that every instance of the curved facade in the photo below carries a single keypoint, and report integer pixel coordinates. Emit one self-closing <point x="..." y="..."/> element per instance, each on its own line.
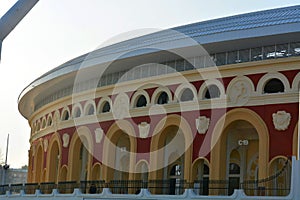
<point x="215" y="100"/>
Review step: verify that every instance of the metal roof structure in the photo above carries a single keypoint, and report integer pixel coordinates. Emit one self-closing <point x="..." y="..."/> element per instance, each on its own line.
<point x="239" y="31"/>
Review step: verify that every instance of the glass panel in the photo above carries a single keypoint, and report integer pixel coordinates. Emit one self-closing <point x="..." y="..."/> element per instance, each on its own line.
<point x="295" y="49"/>
<point x="220" y="59"/>
<point x="256" y="54"/>
<point x="179" y="65"/>
<point x="282" y="50"/>
<point x="269" y="52"/>
<point x="232" y="57"/>
<point x="244" y="55"/>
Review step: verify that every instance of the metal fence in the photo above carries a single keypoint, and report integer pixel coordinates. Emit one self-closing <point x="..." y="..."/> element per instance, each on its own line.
<point x="278" y="184"/>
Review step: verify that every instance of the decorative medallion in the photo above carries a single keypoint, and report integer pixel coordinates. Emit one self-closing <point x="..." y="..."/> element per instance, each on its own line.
<point x="121" y="106"/>
<point x="144" y="129"/>
<point x="45" y="142"/>
<point x="99" y="135"/>
<point x="281" y="120"/>
<point x="66" y="140"/>
<point x="202" y="124"/>
<point x="239" y="92"/>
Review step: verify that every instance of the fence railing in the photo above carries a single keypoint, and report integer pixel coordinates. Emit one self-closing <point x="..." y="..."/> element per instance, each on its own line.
<point x="276" y="185"/>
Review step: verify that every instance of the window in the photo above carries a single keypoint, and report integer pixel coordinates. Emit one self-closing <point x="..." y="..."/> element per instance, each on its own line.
<point x="141" y="102"/>
<point x="163" y="98"/>
<point x="49" y="123"/>
<point x="187" y="95"/>
<point x="65" y="115"/>
<point x="90" y="110"/>
<point x="106" y="107"/>
<point x="234" y="168"/>
<point x="77" y="112"/>
<point x="212" y="92"/>
<point x="273" y="86"/>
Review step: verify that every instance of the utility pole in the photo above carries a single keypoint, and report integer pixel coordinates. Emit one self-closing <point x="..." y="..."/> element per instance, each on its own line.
<point x="13" y="16"/>
<point x="5" y="166"/>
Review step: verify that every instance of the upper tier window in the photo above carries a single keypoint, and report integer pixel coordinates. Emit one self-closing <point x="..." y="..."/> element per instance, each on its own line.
<point x="187" y="95"/>
<point x="274" y="86"/>
<point x="163" y="98"/>
<point x="212" y="92"/>
<point x="141" y="102"/>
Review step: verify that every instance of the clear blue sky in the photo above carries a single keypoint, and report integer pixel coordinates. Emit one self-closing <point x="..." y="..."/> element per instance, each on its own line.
<point x="58" y="30"/>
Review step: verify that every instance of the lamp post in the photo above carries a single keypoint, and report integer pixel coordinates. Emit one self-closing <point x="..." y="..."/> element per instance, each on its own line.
<point x="13" y="16"/>
<point x="5" y="166"/>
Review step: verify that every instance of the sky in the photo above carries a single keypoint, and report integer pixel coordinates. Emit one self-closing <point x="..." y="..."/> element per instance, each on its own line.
<point x="55" y="31"/>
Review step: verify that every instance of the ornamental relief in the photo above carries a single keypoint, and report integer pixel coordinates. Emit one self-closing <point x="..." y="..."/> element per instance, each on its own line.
<point x="121" y="106"/>
<point x="281" y="120"/>
<point x="202" y="124"/>
<point x="239" y="92"/>
<point x="144" y="129"/>
<point x="99" y="135"/>
<point x="66" y="140"/>
<point x="45" y="143"/>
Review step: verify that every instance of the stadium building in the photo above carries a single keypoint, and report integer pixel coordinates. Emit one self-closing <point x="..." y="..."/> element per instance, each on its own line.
<point x="211" y="106"/>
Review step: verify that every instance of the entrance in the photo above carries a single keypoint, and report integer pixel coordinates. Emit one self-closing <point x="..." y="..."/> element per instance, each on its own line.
<point x="241" y="152"/>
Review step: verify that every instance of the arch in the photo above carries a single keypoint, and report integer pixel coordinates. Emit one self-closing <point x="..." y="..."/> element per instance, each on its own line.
<point x="80" y="154"/>
<point x="181" y="89"/>
<point x="102" y="105"/>
<point x="219" y="139"/>
<point x="38" y="125"/>
<point x="77" y="110"/>
<point x="43" y="126"/>
<point x="49" y="120"/>
<point x="273" y="85"/>
<point x="136" y="96"/>
<point x="65" y="114"/>
<point x="296" y="83"/>
<point x="158" y="92"/>
<point x="96" y="172"/>
<point x="200" y="160"/>
<point x="53" y="158"/>
<point x="38" y="163"/>
<point x="283" y="181"/>
<point x="264" y="80"/>
<point x="115" y="131"/>
<point x="159" y="135"/>
<point x="208" y="83"/>
<point x="63" y="173"/>
<point x="89" y="108"/>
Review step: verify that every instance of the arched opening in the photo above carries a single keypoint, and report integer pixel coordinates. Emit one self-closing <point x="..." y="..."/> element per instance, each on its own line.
<point x="173" y="145"/>
<point x="63" y="174"/>
<point x="90" y="110"/>
<point x="282" y="182"/>
<point x="141" y="102"/>
<point x="80" y="160"/>
<point x="105" y="107"/>
<point x="122" y="157"/>
<point x="187" y="95"/>
<point x="239" y="145"/>
<point x="142" y="172"/>
<point x="163" y="98"/>
<point x="49" y="122"/>
<point x="39" y="165"/>
<point x="96" y="172"/>
<point x="201" y="177"/>
<point x="234" y="171"/>
<point x="65" y="115"/>
<point x="212" y="92"/>
<point x="77" y="112"/>
<point x="54" y="162"/>
<point x="273" y="86"/>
